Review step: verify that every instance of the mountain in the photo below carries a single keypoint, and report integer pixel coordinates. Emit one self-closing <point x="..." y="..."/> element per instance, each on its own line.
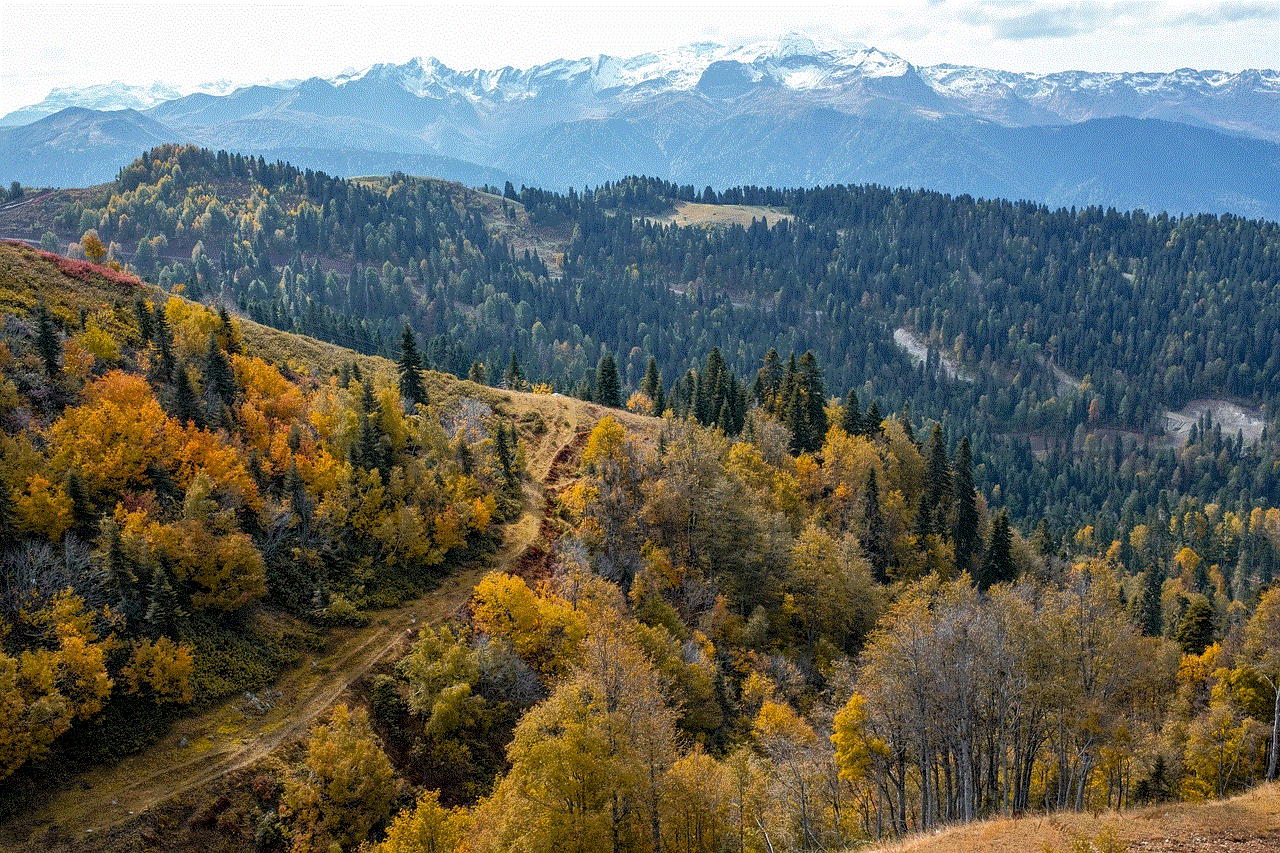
<point x="77" y="146"/>
<point x="788" y="111"/>
<point x="108" y="96"/>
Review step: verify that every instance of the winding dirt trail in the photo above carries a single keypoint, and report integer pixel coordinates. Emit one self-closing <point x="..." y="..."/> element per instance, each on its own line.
<point x="244" y="729"/>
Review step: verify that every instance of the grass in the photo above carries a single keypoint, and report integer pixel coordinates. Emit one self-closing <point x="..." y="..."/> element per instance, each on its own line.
<point x="1247" y="822"/>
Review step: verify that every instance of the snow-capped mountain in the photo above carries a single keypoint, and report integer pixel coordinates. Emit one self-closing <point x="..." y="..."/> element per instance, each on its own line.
<point x="793" y="110"/>
<point x="108" y="97"/>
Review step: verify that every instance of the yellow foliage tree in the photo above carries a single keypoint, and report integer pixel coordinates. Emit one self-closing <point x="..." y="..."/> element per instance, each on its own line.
<point x="342" y="788"/>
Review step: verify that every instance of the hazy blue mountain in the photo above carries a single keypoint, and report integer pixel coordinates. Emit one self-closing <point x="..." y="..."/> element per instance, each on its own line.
<point x="784" y="112"/>
<point x="77" y="146"/>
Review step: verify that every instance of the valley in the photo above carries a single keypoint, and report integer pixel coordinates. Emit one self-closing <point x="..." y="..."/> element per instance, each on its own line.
<point x="735" y="498"/>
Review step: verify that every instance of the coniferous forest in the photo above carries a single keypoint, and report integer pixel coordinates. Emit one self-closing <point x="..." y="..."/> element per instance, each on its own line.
<point x="888" y="511"/>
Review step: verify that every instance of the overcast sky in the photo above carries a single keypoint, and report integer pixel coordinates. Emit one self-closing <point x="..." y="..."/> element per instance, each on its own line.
<point x="46" y="45"/>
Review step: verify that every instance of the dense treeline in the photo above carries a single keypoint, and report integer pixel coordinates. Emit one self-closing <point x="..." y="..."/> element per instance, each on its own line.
<point x="1055" y="339"/>
<point x="745" y="646"/>
<point x="160" y="477"/>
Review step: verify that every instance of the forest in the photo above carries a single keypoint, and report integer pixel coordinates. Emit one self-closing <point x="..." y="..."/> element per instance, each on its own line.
<point x="819" y="595"/>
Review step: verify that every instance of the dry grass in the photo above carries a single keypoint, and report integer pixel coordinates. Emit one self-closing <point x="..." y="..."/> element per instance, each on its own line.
<point x="1248" y="822"/>
<point x="696" y="213"/>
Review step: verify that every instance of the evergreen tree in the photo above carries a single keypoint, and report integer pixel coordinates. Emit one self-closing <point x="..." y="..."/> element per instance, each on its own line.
<point x="8" y="516"/>
<point x="651" y="386"/>
<point x="187" y="407"/>
<point x="1149" y="610"/>
<point x="851" y="414"/>
<point x="998" y="565"/>
<point x="514" y="375"/>
<point x="146" y="327"/>
<point x="875" y="546"/>
<point x="410" y="364"/>
<point x="814" y="400"/>
<point x="608" y="390"/>
<point x="938" y="479"/>
<point x="965" y="537"/>
<point x="477" y="373"/>
<point x="47" y="341"/>
<point x="872" y="424"/>
<point x="226" y="332"/>
<point x="1195" y="631"/>
<point x="164" y="341"/>
<point x="221" y="378"/>
<point x="81" y="507"/>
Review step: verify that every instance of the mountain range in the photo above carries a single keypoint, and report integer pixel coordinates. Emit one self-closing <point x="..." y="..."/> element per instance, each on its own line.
<point x="790" y="111"/>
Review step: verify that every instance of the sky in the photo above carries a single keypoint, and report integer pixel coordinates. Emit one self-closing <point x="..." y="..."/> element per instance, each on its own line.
<point x="55" y="45"/>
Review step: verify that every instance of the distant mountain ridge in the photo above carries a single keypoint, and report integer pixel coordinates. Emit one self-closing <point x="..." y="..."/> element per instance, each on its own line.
<point x="701" y="114"/>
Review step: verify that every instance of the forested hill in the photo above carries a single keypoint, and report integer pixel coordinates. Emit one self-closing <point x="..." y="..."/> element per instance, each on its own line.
<point x="1037" y="328"/>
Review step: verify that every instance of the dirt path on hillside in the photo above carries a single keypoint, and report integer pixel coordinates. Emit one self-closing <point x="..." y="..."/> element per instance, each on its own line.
<point x="244" y="729"/>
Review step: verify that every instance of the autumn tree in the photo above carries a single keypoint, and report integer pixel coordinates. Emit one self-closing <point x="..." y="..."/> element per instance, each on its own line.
<point x="92" y="246"/>
<point x="1262" y="646"/>
<point x="342" y="788"/>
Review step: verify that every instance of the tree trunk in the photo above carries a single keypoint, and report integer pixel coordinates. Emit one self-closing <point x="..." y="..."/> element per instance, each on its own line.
<point x="1275" y="733"/>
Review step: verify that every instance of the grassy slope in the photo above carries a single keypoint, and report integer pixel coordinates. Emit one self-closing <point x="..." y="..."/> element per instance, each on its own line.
<point x="103" y="808"/>
<point x="1248" y="823"/>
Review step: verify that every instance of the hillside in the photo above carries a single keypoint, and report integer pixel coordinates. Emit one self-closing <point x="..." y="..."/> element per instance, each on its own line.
<point x="283" y="598"/>
<point x="1247" y="823"/>
<point x="1085" y="337"/>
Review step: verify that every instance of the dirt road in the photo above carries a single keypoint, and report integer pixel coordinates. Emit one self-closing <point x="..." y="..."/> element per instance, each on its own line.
<point x="244" y="729"/>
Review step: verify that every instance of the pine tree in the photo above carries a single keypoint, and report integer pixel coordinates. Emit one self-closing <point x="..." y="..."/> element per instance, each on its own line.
<point x="651" y="386"/>
<point x="164" y="341"/>
<point x="938" y="478"/>
<point x="81" y="506"/>
<point x="851" y="414"/>
<point x="608" y="389"/>
<point x="227" y="336"/>
<point x="47" y="341"/>
<point x="514" y="376"/>
<point x="768" y="383"/>
<point x="965" y="536"/>
<point x="1195" y="631"/>
<point x="184" y="399"/>
<point x="1149" y="610"/>
<point x="814" y="400"/>
<point x="146" y="327"/>
<point x="8" y="516"/>
<point x="477" y="373"/>
<point x="221" y="378"/>
<point x="998" y="565"/>
<point x="411" y="387"/>
<point x="873" y="522"/>
<point x="872" y="424"/>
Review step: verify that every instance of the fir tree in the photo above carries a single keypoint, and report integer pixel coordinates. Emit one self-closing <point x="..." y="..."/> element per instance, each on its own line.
<point x="651" y="386"/>
<point x="965" y="536"/>
<point x="1149" y="610"/>
<point x="998" y="565"/>
<point x="81" y="506"/>
<point x="47" y="341"/>
<point x="873" y="522"/>
<point x="514" y="376"/>
<point x="146" y="327"/>
<point x="185" y="403"/>
<point x="164" y="341"/>
<point x="851" y="414"/>
<point x="410" y="364"/>
<point x="608" y="390"/>
<point x="8" y="516"/>
<point x="218" y="372"/>
<point x="938" y="478"/>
